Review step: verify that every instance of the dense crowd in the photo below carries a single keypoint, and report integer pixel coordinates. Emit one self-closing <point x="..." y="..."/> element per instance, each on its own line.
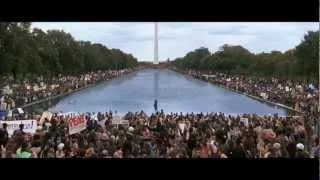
<point x="161" y="135"/>
<point x="16" y="93"/>
<point x="301" y="96"/>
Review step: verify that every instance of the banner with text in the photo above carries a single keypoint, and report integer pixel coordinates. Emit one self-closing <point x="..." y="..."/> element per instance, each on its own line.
<point x="77" y="124"/>
<point x="30" y="126"/>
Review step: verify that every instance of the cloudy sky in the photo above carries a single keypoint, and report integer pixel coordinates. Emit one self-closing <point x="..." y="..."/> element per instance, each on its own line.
<point x="177" y="39"/>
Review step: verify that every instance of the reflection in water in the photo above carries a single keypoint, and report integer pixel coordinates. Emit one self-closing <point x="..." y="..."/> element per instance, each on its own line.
<point x="156" y="84"/>
<point x="175" y="93"/>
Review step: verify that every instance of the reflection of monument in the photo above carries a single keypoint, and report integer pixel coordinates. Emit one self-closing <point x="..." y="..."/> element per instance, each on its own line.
<point x="156" y="84"/>
<point x="155" y="60"/>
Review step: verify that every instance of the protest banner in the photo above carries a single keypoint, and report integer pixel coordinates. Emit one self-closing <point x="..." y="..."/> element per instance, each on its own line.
<point x="77" y="124"/>
<point x="116" y="119"/>
<point x="123" y="122"/>
<point x="30" y="126"/>
<point x="45" y="115"/>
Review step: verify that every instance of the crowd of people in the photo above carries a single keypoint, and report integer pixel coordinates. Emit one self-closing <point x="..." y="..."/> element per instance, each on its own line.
<point x="16" y="93"/>
<point x="161" y="135"/>
<point x="303" y="97"/>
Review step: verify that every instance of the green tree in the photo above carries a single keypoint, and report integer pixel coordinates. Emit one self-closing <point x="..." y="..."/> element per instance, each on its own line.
<point x="307" y="54"/>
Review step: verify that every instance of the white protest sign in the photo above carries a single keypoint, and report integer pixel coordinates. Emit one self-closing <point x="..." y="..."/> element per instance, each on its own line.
<point x="45" y="115"/>
<point x="124" y="122"/>
<point x="116" y="119"/>
<point x="30" y="126"/>
<point x="20" y="111"/>
<point x="182" y="126"/>
<point x="77" y="124"/>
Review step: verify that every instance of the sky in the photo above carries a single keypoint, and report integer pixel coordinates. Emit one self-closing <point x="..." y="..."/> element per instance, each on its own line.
<point x="177" y="39"/>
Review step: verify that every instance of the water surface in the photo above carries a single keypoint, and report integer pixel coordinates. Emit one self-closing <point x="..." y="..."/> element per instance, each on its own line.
<point x="175" y="93"/>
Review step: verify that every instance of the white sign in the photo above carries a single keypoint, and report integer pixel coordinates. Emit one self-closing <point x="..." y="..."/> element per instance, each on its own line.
<point x="77" y="124"/>
<point x="45" y="115"/>
<point x="30" y="126"/>
<point x="116" y="119"/>
<point x="287" y="89"/>
<point x="20" y="111"/>
<point x="124" y="122"/>
<point x="182" y="126"/>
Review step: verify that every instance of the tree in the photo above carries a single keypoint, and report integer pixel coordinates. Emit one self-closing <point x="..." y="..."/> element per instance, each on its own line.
<point x="36" y="52"/>
<point x="307" y="54"/>
<point x="297" y="63"/>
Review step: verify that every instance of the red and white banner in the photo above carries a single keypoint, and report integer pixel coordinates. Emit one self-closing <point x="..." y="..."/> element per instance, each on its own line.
<point x="77" y="124"/>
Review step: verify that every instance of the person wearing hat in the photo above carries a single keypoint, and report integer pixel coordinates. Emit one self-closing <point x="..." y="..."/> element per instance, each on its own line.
<point x="300" y="152"/>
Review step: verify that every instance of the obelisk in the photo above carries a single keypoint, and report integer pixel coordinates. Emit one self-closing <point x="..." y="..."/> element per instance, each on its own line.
<point x="155" y="60"/>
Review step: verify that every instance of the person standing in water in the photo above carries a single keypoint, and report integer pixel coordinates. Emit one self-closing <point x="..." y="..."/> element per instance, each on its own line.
<point x="155" y="105"/>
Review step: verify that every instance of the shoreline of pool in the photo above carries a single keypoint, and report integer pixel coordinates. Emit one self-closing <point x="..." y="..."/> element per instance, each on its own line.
<point x="241" y="93"/>
<point x="73" y="91"/>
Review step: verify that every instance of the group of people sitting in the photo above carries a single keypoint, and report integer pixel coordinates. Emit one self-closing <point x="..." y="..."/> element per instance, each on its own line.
<point x="161" y="135"/>
<point x="16" y="93"/>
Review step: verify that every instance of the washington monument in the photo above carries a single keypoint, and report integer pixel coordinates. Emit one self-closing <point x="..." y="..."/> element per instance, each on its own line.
<point x="155" y="60"/>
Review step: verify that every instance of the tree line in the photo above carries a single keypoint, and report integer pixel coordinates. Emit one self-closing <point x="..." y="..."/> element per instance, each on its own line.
<point x="302" y="62"/>
<point x="26" y="52"/>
